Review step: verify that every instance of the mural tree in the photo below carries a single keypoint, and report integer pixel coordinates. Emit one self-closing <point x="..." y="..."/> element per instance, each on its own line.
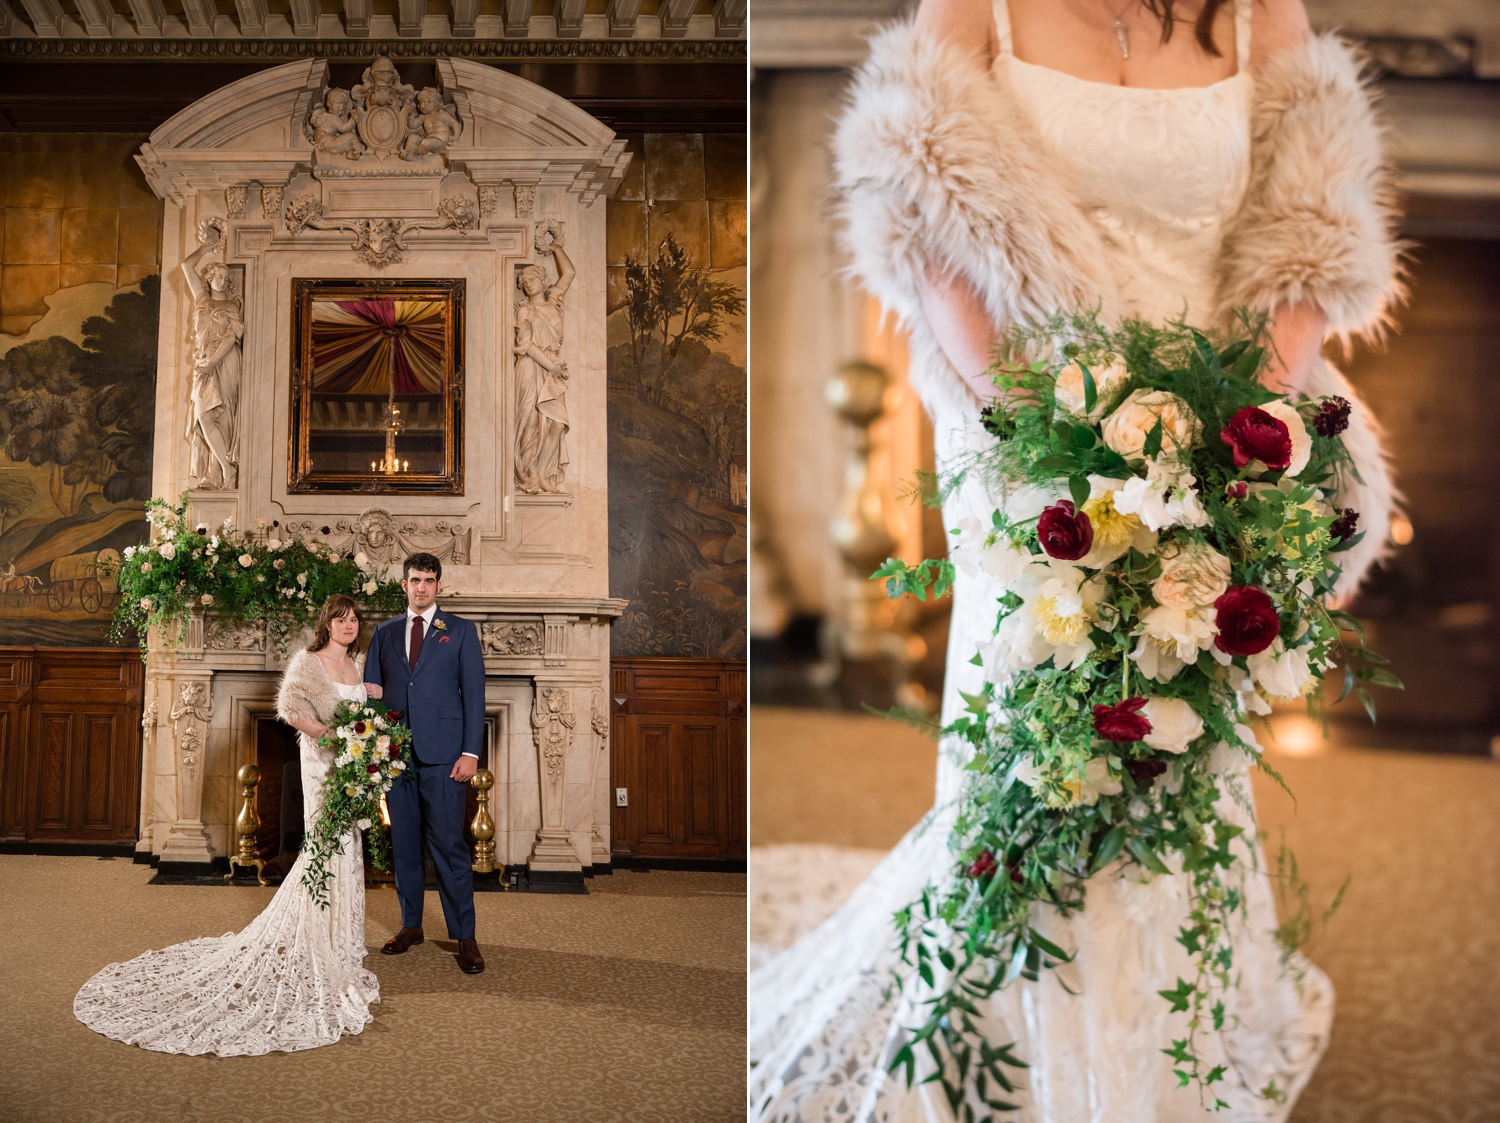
<point x="16" y="494"/>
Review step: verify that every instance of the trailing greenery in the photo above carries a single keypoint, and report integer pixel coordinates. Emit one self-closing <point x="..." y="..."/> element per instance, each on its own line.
<point x="264" y="574"/>
<point x="1160" y="561"/>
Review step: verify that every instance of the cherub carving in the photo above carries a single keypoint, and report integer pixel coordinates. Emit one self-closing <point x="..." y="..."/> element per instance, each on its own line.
<point x="432" y="127"/>
<point x="331" y="126"/>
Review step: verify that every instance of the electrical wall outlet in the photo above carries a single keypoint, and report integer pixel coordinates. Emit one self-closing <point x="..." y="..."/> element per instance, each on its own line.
<point x="622" y="798"/>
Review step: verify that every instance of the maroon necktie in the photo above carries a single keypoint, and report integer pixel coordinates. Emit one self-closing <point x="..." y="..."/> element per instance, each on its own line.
<point x="416" y="642"/>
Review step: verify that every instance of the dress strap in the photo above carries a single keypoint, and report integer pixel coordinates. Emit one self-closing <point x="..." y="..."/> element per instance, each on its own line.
<point x="1242" y="11"/>
<point x="1002" y="27"/>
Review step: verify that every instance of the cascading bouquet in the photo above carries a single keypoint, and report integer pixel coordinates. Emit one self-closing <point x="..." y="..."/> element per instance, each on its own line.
<point x="1162" y="565"/>
<point x="371" y="747"/>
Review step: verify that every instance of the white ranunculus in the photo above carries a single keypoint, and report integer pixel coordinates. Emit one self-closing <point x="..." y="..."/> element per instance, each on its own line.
<point x="1301" y="438"/>
<point x="1126" y="428"/>
<point x="1192" y="576"/>
<point x="1174" y="724"/>
<point x="1108" y="381"/>
<point x="167" y="550"/>
<point x="1281" y="674"/>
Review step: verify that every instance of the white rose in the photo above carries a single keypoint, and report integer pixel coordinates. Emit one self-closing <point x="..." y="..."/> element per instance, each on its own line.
<point x="1281" y="674"/>
<point x="274" y="544"/>
<point x="246" y="561"/>
<point x="363" y="824"/>
<point x="382" y="743"/>
<point x="146" y="603"/>
<point x="302" y="579"/>
<point x="1126" y="428"/>
<point x="1192" y="576"/>
<point x="360" y="559"/>
<point x="145" y="567"/>
<point x="167" y="550"/>
<point x="1301" y="438"/>
<point x="207" y="598"/>
<point x="129" y="552"/>
<point x="370" y="587"/>
<point x="1174" y="724"/>
<point x="1107" y="382"/>
<point x="260" y="523"/>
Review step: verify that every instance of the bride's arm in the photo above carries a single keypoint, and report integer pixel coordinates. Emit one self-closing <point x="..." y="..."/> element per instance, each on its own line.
<point x="966" y="25"/>
<point x="962" y="326"/>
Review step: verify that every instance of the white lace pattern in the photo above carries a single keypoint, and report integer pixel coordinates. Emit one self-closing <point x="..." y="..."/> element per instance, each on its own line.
<point x="1159" y="171"/>
<point x="293" y="979"/>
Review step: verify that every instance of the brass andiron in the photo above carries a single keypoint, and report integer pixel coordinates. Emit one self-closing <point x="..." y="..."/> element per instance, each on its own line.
<point x="484" y="826"/>
<point x="246" y="824"/>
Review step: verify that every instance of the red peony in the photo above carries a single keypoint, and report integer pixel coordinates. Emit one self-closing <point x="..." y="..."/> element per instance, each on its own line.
<point x="372" y="768"/>
<point x="1254" y="434"/>
<point x="1247" y="621"/>
<point x="984" y="864"/>
<point x="393" y="715"/>
<point x="1063" y="534"/>
<point x="1121" y="723"/>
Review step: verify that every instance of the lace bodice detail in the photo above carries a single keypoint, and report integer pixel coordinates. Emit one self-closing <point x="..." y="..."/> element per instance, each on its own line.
<point x="1159" y="171"/>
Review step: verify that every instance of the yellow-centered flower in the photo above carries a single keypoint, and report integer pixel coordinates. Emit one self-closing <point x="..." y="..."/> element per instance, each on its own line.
<point x="1059" y="630"/>
<point x="1111" y="528"/>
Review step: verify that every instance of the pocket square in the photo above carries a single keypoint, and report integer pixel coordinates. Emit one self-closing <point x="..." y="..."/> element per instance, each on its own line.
<point x="444" y="639"/>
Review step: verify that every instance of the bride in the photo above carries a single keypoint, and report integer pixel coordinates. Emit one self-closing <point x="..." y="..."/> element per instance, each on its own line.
<point x="293" y="979"/>
<point x="999" y="164"/>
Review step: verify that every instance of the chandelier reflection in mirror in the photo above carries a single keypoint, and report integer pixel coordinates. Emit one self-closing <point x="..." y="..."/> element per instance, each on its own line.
<point x="377" y="387"/>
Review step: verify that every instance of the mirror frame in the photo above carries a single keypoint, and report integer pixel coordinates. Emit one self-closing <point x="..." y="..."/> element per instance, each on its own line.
<point x="300" y="476"/>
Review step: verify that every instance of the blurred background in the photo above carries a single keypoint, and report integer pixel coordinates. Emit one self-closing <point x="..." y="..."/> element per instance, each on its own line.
<point x="1408" y="806"/>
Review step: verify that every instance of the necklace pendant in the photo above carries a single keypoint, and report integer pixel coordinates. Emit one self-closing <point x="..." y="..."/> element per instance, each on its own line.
<point x="1122" y="37"/>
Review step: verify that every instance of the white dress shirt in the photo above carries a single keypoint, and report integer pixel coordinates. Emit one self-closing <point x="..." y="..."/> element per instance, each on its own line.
<point x="427" y="617"/>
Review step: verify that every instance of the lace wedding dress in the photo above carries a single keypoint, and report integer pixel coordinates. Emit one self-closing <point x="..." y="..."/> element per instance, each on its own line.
<point x="293" y="979"/>
<point x="1159" y="172"/>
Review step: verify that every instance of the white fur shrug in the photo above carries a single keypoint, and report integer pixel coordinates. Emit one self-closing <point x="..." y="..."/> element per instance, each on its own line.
<point x="306" y="692"/>
<point x="933" y="165"/>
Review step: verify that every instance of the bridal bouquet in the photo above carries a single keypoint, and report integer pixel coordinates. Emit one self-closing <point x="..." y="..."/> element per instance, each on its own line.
<point x="371" y="750"/>
<point x="1161" y="564"/>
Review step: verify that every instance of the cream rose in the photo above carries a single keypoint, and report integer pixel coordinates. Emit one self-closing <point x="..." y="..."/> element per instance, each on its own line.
<point x="1301" y="438"/>
<point x="246" y="561"/>
<point x="1192" y="576"/>
<point x="1125" y="429"/>
<point x="1107" y="382"/>
<point x="1174" y="724"/>
<point x="167" y="550"/>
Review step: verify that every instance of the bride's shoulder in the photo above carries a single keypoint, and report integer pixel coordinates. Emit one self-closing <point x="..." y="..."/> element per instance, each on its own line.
<point x="1276" y="27"/>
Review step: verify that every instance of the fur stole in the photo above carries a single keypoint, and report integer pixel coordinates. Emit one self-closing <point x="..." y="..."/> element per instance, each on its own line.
<point x="306" y="691"/>
<point x="934" y="164"/>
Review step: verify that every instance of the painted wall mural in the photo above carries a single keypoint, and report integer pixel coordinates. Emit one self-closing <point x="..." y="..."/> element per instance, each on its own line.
<point x="677" y="398"/>
<point x="79" y="296"/>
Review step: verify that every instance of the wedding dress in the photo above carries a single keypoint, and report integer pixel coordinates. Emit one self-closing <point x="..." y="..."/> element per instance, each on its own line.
<point x="293" y="979"/>
<point x="1159" y="172"/>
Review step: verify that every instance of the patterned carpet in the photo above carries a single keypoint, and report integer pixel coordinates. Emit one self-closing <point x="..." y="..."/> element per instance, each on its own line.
<point x="1414" y="952"/>
<point x="626" y="1005"/>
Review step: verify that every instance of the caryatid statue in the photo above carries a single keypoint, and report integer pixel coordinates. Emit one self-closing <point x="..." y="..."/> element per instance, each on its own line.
<point x="218" y="327"/>
<point x="541" y="374"/>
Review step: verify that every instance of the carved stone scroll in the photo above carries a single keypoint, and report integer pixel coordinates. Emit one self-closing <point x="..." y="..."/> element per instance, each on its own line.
<point x="378" y="241"/>
<point x="383" y="539"/>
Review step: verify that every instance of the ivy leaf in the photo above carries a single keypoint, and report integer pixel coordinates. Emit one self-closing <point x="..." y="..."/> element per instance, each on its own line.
<point x="1181" y="1051"/>
<point x="1179" y="996"/>
<point x="1218" y="1013"/>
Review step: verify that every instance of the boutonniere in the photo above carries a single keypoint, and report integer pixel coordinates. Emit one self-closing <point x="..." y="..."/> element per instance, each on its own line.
<point x="438" y="625"/>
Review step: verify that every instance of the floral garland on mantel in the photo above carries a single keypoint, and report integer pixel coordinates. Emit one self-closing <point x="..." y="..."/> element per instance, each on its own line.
<point x="1160" y="567"/>
<point x="264" y="574"/>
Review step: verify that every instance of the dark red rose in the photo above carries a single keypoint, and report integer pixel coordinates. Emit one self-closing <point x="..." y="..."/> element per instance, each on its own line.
<point x="393" y="715"/>
<point x="1254" y="434"/>
<point x="372" y="768"/>
<point x="1332" y="417"/>
<point x="1236" y="489"/>
<point x="1144" y="771"/>
<point x="1345" y="525"/>
<point x="1247" y="620"/>
<point x="1063" y="534"/>
<point x="359" y="727"/>
<point x="984" y="864"/>
<point x="1121" y="723"/>
<point x="393" y="752"/>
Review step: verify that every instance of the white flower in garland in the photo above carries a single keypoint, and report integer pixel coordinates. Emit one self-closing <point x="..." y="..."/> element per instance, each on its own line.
<point x="1192" y="576"/>
<point x="1058" y="610"/>
<point x="167" y="550"/>
<point x="1165" y="497"/>
<point x="1115" y="531"/>
<point x="1125" y="430"/>
<point x="999" y="560"/>
<point x="1171" y="638"/>
<point x="370" y="588"/>
<point x="1174" y="724"/>
<point x="1280" y="673"/>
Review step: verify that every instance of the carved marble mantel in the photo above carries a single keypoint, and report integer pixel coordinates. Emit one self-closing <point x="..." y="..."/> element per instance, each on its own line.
<point x="498" y="160"/>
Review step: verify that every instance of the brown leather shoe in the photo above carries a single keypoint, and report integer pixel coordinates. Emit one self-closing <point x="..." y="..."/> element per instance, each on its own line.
<point x="401" y="941"/>
<point x="470" y="962"/>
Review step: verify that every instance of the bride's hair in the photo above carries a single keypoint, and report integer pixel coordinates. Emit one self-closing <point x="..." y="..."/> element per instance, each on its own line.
<point x="1203" y="26"/>
<point x="340" y="604"/>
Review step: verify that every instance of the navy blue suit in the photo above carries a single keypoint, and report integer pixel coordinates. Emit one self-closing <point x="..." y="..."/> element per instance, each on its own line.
<point x="442" y="698"/>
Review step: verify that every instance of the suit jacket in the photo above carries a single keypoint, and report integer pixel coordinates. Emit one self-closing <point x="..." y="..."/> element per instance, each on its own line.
<point x="442" y="698"/>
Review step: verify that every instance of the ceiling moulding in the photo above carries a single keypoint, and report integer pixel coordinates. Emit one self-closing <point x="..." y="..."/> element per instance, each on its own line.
<point x="337" y="50"/>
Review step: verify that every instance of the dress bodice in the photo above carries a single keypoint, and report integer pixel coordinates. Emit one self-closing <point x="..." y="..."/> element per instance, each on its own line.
<point x="1159" y="172"/>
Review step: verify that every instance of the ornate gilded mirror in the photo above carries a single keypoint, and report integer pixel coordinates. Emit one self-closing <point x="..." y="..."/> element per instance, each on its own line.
<point x="377" y="387"/>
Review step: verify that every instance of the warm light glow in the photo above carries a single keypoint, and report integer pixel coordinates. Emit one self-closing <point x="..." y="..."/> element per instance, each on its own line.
<point x="1296" y="735"/>
<point x="385" y="815"/>
<point x="1401" y="530"/>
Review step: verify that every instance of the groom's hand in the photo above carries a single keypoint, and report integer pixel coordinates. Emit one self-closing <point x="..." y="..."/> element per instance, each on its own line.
<point x="463" y="769"/>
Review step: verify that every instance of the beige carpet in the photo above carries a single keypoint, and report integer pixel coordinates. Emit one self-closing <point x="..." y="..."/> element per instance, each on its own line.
<point x="625" y="1005"/>
<point x="1414" y="952"/>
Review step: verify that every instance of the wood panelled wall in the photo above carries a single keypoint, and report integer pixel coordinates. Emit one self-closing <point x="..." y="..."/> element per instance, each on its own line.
<point x="70" y="740"/>
<point x="678" y="749"/>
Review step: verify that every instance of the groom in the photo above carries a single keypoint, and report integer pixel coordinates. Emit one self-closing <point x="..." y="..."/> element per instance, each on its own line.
<point x="428" y="665"/>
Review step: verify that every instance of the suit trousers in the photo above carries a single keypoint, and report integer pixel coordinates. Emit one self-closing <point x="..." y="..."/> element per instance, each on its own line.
<point x="426" y="800"/>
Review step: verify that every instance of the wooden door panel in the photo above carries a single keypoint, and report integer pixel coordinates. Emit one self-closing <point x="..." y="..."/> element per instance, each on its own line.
<point x="53" y="786"/>
<point x="700" y="775"/>
<point x="98" y="763"/>
<point x="654" y="787"/>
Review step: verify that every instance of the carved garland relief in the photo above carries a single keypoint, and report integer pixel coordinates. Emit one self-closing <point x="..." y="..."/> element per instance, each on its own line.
<point x="552" y="724"/>
<point x="194" y="704"/>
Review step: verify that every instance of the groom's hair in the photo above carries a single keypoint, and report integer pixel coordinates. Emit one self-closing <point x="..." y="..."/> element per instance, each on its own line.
<point x="427" y="563"/>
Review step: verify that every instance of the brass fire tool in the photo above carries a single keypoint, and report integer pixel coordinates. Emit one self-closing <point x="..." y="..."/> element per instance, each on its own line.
<point x="246" y="824"/>
<point x="483" y="826"/>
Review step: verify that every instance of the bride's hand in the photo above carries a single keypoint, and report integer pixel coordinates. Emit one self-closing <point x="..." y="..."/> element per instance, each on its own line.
<point x="1296" y="342"/>
<point x="374" y="690"/>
